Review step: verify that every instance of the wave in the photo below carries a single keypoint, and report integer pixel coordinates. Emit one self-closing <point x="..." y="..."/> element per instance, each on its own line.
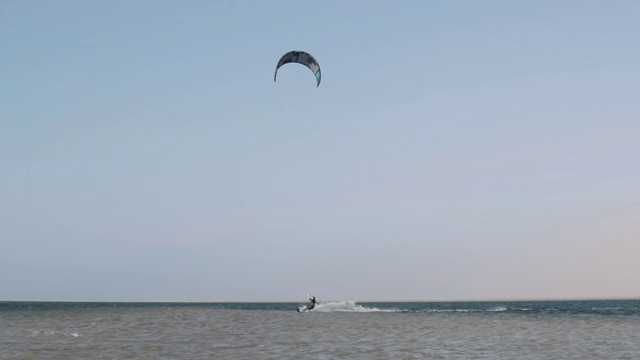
<point x="55" y="333"/>
<point x="496" y="309"/>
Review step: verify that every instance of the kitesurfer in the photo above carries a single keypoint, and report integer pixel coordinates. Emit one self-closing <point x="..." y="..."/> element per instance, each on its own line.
<point x="311" y="305"/>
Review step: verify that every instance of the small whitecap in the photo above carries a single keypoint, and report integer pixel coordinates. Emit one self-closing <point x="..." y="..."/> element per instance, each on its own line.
<point x="499" y="308"/>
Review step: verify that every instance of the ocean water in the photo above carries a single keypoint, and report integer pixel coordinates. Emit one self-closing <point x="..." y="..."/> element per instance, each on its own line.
<point x="604" y="329"/>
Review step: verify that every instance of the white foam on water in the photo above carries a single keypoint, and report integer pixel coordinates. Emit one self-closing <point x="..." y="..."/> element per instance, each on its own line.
<point x="347" y="306"/>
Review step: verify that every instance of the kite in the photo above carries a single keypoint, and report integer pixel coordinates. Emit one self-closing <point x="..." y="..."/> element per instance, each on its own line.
<point x="303" y="58"/>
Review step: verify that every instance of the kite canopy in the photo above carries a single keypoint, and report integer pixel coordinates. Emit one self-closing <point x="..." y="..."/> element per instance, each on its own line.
<point x="303" y="58"/>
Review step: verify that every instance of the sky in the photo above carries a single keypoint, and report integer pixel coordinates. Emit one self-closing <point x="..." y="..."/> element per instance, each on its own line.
<point x="454" y="150"/>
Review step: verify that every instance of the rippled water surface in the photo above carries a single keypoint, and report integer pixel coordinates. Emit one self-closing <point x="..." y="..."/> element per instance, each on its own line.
<point x="339" y="330"/>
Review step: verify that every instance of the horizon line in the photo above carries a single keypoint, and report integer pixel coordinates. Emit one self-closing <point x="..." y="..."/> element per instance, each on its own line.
<point x="333" y="300"/>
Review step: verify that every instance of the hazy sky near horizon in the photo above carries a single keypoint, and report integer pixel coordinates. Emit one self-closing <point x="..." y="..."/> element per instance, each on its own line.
<point x="454" y="150"/>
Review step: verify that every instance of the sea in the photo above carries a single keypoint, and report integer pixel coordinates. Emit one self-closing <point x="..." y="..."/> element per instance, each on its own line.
<point x="594" y="329"/>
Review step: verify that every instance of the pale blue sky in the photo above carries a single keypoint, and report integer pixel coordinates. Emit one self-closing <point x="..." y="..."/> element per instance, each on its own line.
<point x="454" y="150"/>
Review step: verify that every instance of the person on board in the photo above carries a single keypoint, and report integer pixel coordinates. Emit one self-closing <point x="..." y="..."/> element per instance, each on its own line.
<point x="311" y="305"/>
